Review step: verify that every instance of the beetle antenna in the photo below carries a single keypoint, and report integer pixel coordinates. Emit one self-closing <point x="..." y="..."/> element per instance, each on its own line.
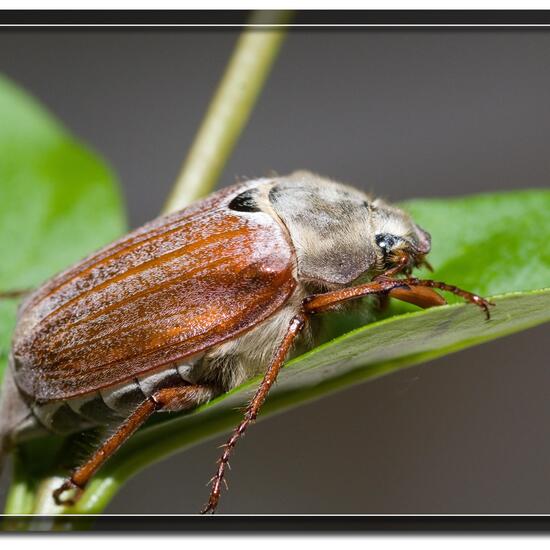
<point x="427" y="265"/>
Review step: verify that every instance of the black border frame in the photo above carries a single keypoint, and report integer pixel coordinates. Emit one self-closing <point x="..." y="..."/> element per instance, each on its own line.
<point x="311" y="18"/>
<point x="281" y="524"/>
<point x="307" y="20"/>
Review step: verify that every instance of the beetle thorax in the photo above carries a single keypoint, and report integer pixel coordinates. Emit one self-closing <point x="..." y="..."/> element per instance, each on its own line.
<point x="330" y="226"/>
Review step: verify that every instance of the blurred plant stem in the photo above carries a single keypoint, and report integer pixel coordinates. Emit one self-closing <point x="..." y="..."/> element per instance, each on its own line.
<point x="20" y="496"/>
<point x="229" y="109"/>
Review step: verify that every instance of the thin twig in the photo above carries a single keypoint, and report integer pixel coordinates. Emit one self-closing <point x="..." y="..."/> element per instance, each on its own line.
<point x="229" y="109"/>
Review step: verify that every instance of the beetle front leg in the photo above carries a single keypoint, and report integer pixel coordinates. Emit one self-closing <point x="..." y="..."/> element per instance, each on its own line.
<point x="296" y="325"/>
<point x="173" y="399"/>
<point x="464" y="294"/>
<point x="382" y="285"/>
<point x="419" y="296"/>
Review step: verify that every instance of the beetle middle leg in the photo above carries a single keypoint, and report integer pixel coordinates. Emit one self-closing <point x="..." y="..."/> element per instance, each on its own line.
<point x="295" y="327"/>
<point x="171" y="399"/>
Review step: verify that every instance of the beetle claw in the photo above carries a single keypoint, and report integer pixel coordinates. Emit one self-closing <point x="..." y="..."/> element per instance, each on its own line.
<point x="483" y="304"/>
<point x="67" y="486"/>
<point x="209" y="508"/>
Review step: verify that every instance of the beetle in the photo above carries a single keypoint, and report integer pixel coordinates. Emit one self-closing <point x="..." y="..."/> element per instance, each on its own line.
<point x="194" y="303"/>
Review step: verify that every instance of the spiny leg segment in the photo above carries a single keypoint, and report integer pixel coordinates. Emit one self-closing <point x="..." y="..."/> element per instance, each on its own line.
<point x="294" y="329"/>
<point x="171" y="399"/>
<point x="468" y="296"/>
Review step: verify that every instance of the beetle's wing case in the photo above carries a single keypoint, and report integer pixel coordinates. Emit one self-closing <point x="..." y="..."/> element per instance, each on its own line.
<point x="169" y="290"/>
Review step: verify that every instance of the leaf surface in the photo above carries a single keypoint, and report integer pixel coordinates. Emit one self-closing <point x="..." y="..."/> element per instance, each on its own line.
<point x="58" y="200"/>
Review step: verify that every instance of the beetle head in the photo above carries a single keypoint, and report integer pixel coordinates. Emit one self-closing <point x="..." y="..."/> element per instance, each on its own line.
<point x="400" y="243"/>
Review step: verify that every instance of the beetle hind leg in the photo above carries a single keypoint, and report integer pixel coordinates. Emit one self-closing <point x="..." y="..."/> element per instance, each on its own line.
<point x="171" y="399"/>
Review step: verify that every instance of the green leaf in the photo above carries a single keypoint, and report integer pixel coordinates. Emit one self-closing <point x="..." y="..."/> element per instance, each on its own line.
<point x="58" y="201"/>
<point x="492" y="244"/>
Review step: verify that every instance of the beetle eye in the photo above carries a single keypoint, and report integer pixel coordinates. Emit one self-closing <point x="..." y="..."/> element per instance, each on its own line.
<point x="386" y="241"/>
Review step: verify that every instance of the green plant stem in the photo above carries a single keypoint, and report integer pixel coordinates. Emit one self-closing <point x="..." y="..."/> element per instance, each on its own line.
<point x="21" y="493"/>
<point x="229" y="109"/>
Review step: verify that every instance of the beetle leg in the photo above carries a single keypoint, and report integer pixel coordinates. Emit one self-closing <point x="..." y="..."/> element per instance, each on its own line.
<point x="419" y="296"/>
<point x="468" y="296"/>
<point x="322" y="302"/>
<point x="295" y="327"/>
<point x="82" y="475"/>
<point x="8" y="294"/>
<point x="167" y="399"/>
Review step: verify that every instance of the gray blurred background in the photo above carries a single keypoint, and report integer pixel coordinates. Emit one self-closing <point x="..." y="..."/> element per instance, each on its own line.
<point x="404" y="114"/>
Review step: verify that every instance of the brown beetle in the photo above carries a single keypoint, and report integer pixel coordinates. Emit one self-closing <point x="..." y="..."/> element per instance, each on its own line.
<point x="195" y="303"/>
